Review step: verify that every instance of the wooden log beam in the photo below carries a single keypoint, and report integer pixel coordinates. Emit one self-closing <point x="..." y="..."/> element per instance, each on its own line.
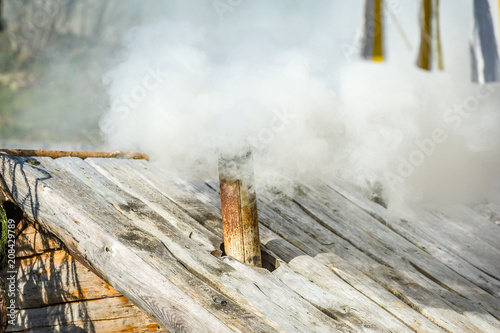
<point x="79" y="154"/>
<point x="107" y="248"/>
<point x="239" y="209"/>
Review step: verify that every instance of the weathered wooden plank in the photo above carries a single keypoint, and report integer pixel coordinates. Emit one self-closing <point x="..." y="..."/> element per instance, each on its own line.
<point x="439" y="311"/>
<point x="377" y="293"/>
<point x="347" y="256"/>
<point x="432" y="242"/>
<point x="198" y="201"/>
<point x="107" y="315"/>
<point x="462" y="242"/>
<point x="233" y="315"/>
<point x="315" y="242"/>
<point x="413" y="318"/>
<point x="78" y="154"/>
<point x="438" y="246"/>
<point x="38" y="192"/>
<point x="162" y="191"/>
<point x="308" y="233"/>
<point x="86" y="173"/>
<point x="159" y="232"/>
<point x="425" y="256"/>
<point x="337" y="247"/>
<point x="31" y="242"/>
<point x="460" y="295"/>
<point x="465" y="305"/>
<point x="55" y="277"/>
<point x="284" y="249"/>
<point x="158" y="255"/>
<point x="293" y="315"/>
<point x="202" y="203"/>
<point x="469" y="223"/>
<point x="490" y="212"/>
<point x="278" y="246"/>
<point x="364" y="262"/>
<point x="339" y="299"/>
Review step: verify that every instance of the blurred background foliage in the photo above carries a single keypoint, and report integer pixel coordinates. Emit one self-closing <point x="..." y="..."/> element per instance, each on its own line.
<point x="53" y="54"/>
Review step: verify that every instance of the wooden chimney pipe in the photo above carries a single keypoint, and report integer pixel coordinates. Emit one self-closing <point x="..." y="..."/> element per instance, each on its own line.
<point x="239" y="209"/>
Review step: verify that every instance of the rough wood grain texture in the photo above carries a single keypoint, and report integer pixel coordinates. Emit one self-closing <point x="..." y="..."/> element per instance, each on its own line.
<point x="345" y="254"/>
<point x="293" y="315"/>
<point x="107" y="315"/>
<point x="416" y="230"/>
<point x="350" y="267"/>
<point x="78" y="154"/>
<point x="285" y="250"/>
<point x="137" y="187"/>
<point x="378" y="294"/>
<point x="55" y="277"/>
<point x="463" y="242"/>
<point x="31" y="242"/>
<point x="455" y="292"/>
<point x="201" y="202"/>
<point x="196" y="199"/>
<point x="468" y="222"/>
<point x="490" y="211"/>
<point x="38" y="192"/>
<point x="161" y="229"/>
<point x="49" y="278"/>
<point x="338" y="300"/>
<point x="236" y="317"/>
<point x="333" y="243"/>
<point x="365" y="263"/>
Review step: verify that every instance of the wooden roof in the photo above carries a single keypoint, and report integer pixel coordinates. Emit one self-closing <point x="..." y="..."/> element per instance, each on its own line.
<point x="346" y="264"/>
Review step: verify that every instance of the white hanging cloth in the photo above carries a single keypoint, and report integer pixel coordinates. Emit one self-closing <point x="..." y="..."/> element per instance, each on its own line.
<point x="484" y="44"/>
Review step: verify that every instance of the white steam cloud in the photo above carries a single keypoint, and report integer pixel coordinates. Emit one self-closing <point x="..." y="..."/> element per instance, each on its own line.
<point x="283" y="78"/>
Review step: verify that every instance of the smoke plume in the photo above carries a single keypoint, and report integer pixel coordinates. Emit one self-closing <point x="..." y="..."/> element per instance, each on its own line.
<point x="284" y="79"/>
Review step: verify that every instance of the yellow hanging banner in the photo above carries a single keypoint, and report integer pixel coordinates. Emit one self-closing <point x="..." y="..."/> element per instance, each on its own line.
<point x="430" y="51"/>
<point x="373" y="34"/>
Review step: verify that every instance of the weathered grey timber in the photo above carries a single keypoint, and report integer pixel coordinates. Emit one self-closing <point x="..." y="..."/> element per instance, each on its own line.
<point x="346" y="264"/>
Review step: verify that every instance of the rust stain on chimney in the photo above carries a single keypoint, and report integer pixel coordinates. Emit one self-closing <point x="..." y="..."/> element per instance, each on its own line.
<point x="239" y="209"/>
